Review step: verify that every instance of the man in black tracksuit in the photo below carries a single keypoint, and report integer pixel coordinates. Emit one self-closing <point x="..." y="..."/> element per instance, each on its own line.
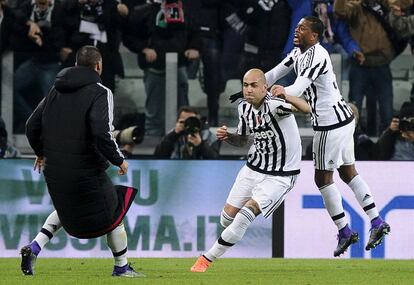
<point x="71" y="134"/>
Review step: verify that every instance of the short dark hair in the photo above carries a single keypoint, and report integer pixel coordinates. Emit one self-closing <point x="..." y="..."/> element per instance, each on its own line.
<point x="186" y="109"/>
<point x="88" y="56"/>
<point x="316" y="25"/>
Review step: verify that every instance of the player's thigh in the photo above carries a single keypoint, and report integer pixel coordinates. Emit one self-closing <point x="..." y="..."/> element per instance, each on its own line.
<point x="242" y="188"/>
<point x="348" y="152"/>
<point x="332" y="148"/>
<point x="271" y="192"/>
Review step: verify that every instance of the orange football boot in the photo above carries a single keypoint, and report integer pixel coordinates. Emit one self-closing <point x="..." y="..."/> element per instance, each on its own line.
<point x="201" y="264"/>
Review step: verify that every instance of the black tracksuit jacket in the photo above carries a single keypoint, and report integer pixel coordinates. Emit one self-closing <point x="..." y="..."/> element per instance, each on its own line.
<point x="72" y="129"/>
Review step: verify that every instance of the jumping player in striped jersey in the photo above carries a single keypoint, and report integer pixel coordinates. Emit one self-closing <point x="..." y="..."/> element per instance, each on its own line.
<point x="334" y="124"/>
<point x="272" y="164"/>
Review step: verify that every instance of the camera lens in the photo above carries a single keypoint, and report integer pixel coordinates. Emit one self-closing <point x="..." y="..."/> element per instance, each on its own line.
<point x="192" y="125"/>
<point x="407" y="124"/>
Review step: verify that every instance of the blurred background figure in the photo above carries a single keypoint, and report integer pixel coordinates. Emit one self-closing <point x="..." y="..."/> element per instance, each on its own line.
<point x="164" y="27"/>
<point x="265" y="20"/>
<point x="38" y="38"/>
<point x="370" y="75"/>
<point x="233" y="29"/>
<point x="269" y="33"/>
<point x="401" y="17"/>
<point x="190" y="139"/>
<point x="206" y="16"/>
<point x="96" y="22"/>
<point x="6" y="24"/>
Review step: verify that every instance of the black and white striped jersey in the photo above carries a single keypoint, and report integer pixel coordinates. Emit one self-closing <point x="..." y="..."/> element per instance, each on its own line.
<point x="276" y="147"/>
<point x="329" y="109"/>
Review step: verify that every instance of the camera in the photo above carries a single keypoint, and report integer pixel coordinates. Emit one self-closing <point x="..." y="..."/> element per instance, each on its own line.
<point x="130" y="129"/>
<point x="130" y="135"/>
<point x="192" y="125"/>
<point x="407" y="124"/>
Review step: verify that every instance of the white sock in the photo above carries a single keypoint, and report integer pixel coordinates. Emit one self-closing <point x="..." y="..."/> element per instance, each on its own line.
<point x="225" y="219"/>
<point x="364" y="196"/>
<point x="117" y="242"/>
<point x="232" y="234"/>
<point x="51" y="226"/>
<point x="333" y="203"/>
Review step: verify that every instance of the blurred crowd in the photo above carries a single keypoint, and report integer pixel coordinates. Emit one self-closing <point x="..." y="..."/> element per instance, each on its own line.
<point x="216" y="40"/>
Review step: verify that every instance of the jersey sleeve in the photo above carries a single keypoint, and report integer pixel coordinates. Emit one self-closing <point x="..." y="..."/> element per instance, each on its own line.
<point x="243" y="128"/>
<point x="34" y="128"/>
<point x="282" y="68"/>
<point x="100" y="119"/>
<point x="280" y="107"/>
<point x="313" y="65"/>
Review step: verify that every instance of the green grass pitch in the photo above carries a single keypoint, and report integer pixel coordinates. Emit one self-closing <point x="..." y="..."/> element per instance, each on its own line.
<point x="225" y="271"/>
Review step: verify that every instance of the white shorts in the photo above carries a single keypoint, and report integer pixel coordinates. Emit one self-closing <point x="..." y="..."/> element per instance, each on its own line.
<point x="334" y="148"/>
<point x="268" y="191"/>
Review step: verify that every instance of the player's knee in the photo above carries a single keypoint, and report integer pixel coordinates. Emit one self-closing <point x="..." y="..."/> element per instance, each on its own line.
<point x="323" y="178"/>
<point x="253" y="206"/>
<point x="225" y="219"/>
<point x="347" y="173"/>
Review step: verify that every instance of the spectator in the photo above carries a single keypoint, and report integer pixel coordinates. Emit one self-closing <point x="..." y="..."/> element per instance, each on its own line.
<point x="206" y="17"/>
<point x="7" y="19"/>
<point x="189" y="139"/>
<point x="6" y="23"/>
<point x="397" y="142"/>
<point x="233" y="30"/>
<point x="336" y="30"/>
<point x="266" y="20"/>
<point x="401" y="18"/>
<point x="371" y="76"/>
<point x="161" y="32"/>
<point x="96" y="22"/>
<point x="39" y="33"/>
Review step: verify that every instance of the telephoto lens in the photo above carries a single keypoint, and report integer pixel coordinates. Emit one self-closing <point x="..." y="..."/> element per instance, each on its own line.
<point x="131" y="135"/>
<point x="192" y="125"/>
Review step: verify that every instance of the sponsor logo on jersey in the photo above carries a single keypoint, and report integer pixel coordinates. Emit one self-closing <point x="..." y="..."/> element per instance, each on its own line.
<point x="264" y="135"/>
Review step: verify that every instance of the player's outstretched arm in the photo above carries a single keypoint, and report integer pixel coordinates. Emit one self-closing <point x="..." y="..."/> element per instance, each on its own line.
<point x="298" y="103"/>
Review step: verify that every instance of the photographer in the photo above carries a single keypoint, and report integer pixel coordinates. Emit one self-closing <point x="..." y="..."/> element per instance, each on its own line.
<point x="397" y="142"/>
<point x="189" y="139"/>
